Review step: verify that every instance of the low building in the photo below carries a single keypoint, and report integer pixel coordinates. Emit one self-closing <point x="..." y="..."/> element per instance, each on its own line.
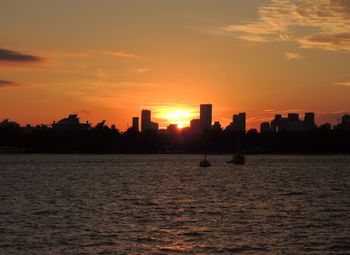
<point x="172" y="128"/>
<point x="195" y="126"/>
<point x="6" y="123"/>
<point x="217" y="126"/>
<point x="72" y="122"/>
<point x="265" y="127"/>
<point x="345" y="123"/>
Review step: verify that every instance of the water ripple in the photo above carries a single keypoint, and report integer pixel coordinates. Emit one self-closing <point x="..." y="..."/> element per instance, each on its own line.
<point x="165" y="204"/>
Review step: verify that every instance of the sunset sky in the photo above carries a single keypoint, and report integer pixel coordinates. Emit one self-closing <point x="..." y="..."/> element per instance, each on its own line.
<point x="108" y="59"/>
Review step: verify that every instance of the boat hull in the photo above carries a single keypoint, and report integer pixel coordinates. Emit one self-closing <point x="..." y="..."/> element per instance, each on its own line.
<point x="237" y="160"/>
<point x="204" y="163"/>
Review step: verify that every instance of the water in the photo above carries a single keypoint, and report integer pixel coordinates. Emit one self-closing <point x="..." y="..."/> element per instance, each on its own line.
<point x="166" y="204"/>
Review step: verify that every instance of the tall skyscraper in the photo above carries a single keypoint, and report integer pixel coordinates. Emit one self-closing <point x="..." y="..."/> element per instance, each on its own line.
<point x="239" y="122"/>
<point x="309" y="121"/>
<point x="242" y="121"/>
<point x="309" y="117"/>
<point x="146" y="123"/>
<point x="275" y="124"/>
<point x="206" y="116"/>
<point x="135" y="124"/>
<point x="145" y="120"/>
<point x="235" y="119"/>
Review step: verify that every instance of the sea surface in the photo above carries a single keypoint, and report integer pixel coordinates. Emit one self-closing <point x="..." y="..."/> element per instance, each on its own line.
<point x="166" y="204"/>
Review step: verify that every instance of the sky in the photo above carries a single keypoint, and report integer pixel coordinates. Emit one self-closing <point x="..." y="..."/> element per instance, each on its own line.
<point x="109" y="59"/>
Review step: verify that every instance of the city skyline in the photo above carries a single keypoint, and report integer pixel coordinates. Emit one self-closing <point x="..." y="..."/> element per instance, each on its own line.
<point x="291" y="133"/>
<point x="174" y="126"/>
<point x="288" y="122"/>
<point x="108" y="59"/>
<point x="183" y="119"/>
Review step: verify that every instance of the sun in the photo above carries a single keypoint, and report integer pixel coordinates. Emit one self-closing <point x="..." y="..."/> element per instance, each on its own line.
<point x="179" y="117"/>
<point x="175" y="115"/>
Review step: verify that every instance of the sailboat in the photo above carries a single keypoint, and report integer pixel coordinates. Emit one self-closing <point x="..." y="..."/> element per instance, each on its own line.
<point x="205" y="162"/>
<point x="238" y="158"/>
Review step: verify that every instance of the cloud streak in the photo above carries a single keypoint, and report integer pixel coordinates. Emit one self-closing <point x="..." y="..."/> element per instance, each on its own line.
<point x="118" y="54"/>
<point x="17" y="57"/>
<point x="6" y="84"/>
<point x="292" y="56"/>
<point x="323" y="24"/>
<point x="343" y="84"/>
<point x="90" y="53"/>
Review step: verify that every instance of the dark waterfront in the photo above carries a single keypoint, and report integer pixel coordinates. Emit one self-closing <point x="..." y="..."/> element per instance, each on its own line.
<point x="166" y="204"/>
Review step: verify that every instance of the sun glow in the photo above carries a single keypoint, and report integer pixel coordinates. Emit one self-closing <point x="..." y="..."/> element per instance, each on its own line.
<point x="176" y="115"/>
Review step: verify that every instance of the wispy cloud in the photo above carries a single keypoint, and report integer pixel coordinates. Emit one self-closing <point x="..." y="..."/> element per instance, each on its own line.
<point x="293" y="56"/>
<point x="119" y="54"/>
<point x="282" y="111"/>
<point x="6" y="84"/>
<point x="89" y="53"/>
<point x="344" y="84"/>
<point x="55" y="60"/>
<point x="18" y="57"/>
<point x="142" y="70"/>
<point x="259" y="118"/>
<point x="323" y="24"/>
<point x="333" y="112"/>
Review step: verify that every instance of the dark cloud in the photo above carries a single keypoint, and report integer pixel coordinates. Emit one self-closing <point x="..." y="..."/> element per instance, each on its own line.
<point x="5" y="84"/>
<point x="17" y="57"/>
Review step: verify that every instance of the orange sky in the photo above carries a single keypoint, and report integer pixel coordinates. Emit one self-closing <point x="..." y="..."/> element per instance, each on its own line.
<point x="109" y="59"/>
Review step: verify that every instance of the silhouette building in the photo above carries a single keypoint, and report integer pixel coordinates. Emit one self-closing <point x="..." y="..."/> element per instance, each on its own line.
<point x="72" y="122"/>
<point x="275" y="124"/>
<point x="101" y="124"/>
<point x="172" y="128"/>
<point x="252" y="131"/>
<point x="135" y="124"/>
<point x="309" y="121"/>
<point x="326" y="126"/>
<point x="145" y="120"/>
<point x="293" y="117"/>
<point x="345" y="119"/>
<point x="265" y="127"/>
<point x="290" y="124"/>
<point x="195" y="126"/>
<point x="206" y="116"/>
<point x="242" y="122"/>
<point x="345" y="123"/>
<point x="217" y="126"/>
<point x="146" y="123"/>
<point x="238" y="123"/>
<point x="293" y="123"/>
<point x="6" y="123"/>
